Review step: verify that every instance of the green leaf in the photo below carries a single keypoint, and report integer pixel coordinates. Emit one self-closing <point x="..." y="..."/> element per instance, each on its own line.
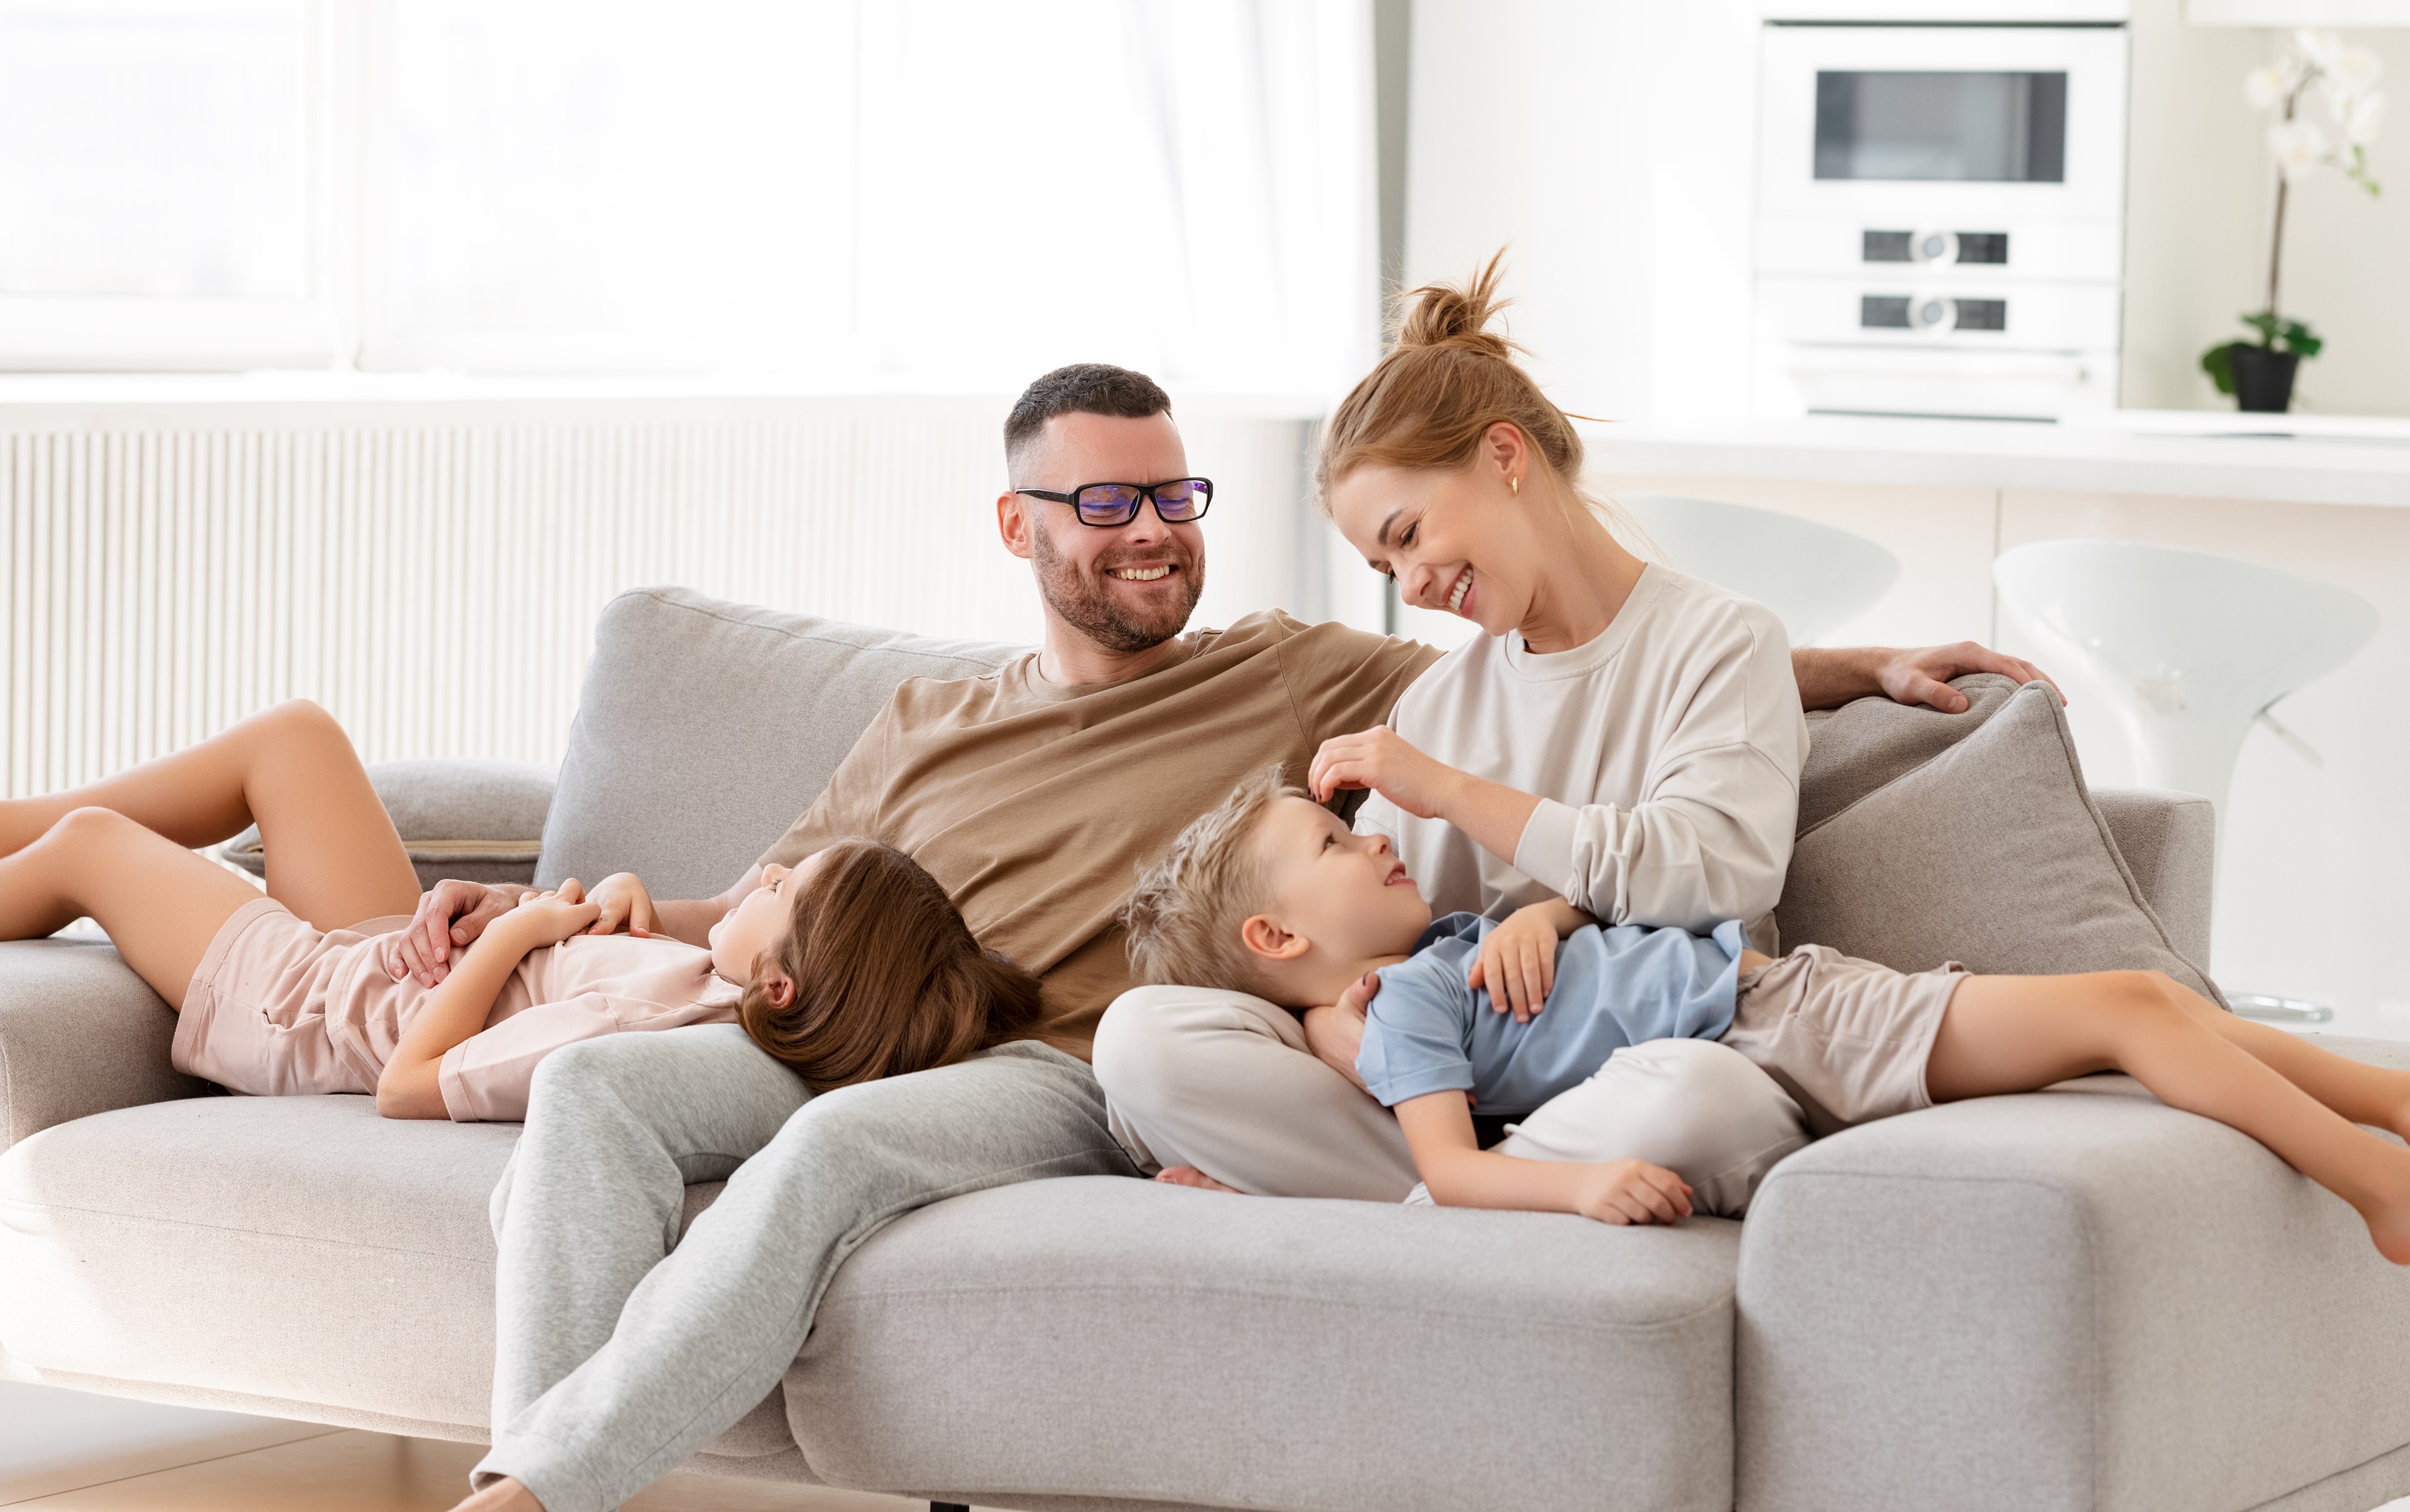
<point x="2298" y="341"/>
<point x="2266" y="324"/>
<point x="2219" y="366"/>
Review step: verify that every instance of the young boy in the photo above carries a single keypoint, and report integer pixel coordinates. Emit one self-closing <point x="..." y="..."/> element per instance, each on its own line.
<point x="1271" y="894"/>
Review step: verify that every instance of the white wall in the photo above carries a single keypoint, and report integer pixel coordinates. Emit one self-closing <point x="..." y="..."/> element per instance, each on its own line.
<point x="2199" y="193"/>
<point x="1612" y="143"/>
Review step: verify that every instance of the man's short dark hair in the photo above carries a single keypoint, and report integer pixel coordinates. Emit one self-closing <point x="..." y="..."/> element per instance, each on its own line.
<point x="1081" y="388"/>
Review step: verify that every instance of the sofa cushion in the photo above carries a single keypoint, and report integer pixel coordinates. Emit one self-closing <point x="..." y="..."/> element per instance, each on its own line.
<point x="2066" y="1301"/>
<point x="1991" y="853"/>
<point x="1117" y="1339"/>
<point x="1872" y="741"/>
<point x="479" y="821"/>
<point x="704" y="728"/>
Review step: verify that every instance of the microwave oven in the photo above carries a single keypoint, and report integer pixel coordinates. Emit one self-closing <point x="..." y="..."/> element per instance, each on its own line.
<point x="1939" y="219"/>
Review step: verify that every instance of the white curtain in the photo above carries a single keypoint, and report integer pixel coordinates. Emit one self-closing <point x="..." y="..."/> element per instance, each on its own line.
<point x="913" y="195"/>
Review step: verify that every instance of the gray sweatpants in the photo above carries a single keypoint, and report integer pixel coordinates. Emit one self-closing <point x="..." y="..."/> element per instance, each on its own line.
<point x="621" y="1349"/>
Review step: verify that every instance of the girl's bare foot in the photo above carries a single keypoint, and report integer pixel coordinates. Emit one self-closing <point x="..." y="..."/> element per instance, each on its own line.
<point x="504" y="1495"/>
<point x="1177" y="1176"/>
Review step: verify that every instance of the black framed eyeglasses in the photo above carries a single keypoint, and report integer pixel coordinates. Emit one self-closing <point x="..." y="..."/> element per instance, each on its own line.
<point x="1111" y="504"/>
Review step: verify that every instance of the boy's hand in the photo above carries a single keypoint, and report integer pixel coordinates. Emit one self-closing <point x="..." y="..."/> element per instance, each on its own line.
<point x="1381" y="758"/>
<point x="624" y="901"/>
<point x="1518" y="961"/>
<point x="1336" y="1032"/>
<point x="549" y="918"/>
<point x="1632" y="1191"/>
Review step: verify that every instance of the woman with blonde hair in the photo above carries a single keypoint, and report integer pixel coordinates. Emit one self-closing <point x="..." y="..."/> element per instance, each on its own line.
<point x="1622" y="744"/>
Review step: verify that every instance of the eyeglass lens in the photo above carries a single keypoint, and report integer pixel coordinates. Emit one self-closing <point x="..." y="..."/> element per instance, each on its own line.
<point x="1117" y="504"/>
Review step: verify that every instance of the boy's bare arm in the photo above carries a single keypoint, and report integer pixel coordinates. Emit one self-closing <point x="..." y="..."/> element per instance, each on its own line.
<point x="1462" y="1174"/>
<point x="409" y="1087"/>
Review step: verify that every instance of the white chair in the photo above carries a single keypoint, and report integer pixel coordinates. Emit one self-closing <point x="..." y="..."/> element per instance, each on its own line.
<point x="2188" y="648"/>
<point x="1814" y="577"/>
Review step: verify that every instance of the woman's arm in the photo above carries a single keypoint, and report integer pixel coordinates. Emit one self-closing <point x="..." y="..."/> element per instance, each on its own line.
<point x="1462" y="1174"/>
<point x="408" y="1088"/>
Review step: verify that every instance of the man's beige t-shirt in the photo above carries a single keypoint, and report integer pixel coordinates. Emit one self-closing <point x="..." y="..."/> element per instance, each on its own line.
<point x="1035" y="806"/>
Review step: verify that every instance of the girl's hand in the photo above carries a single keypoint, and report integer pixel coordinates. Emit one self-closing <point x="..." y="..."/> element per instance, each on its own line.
<point x="1519" y="961"/>
<point x="1632" y="1191"/>
<point x="624" y="901"/>
<point x="1380" y="759"/>
<point x="549" y="918"/>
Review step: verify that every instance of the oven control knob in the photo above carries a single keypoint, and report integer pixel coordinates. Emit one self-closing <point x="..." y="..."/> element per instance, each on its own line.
<point x="1931" y="311"/>
<point x="1935" y="247"/>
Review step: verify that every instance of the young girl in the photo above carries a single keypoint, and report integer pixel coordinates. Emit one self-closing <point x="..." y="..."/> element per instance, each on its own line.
<point x="851" y="966"/>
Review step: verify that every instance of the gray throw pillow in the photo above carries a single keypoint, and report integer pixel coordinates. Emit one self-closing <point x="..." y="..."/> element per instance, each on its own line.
<point x="1866" y="744"/>
<point x="706" y="727"/>
<point x="478" y="821"/>
<point x="1991" y="853"/>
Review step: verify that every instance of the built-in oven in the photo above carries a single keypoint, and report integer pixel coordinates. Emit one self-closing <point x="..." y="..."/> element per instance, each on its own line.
<point x="1939" y="218"/>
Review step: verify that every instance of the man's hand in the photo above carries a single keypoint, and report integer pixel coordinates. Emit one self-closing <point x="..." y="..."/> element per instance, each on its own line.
<point x="1519" y="960"/>
<point x="1632" y="1191"/>
<point x="1922" y="676"/>
<point x="1381" y="758"/>
<point x="1336" y="1032"/>
<point x="625" y="904"/>
<point x="449" y="913"/>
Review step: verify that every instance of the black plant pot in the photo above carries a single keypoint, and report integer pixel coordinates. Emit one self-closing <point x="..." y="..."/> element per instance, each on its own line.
<point x="2263" y="378"/>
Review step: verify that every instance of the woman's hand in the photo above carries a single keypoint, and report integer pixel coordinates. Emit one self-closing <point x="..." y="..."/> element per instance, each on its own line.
<point x="549" y="918"/>
<point x="624" y="902"/>
<point x="1632" y="1191"/>
<point x="1380" y="759"/>
<point x="1519" y="958"/>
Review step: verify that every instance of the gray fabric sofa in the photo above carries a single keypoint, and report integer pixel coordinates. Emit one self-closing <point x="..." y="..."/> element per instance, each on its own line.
<point x="2073" y="1299"/>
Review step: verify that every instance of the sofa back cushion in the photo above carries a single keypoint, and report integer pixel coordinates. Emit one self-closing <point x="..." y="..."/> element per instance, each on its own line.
<point x="706" y="727"/>
<point x="1988" y="851"/>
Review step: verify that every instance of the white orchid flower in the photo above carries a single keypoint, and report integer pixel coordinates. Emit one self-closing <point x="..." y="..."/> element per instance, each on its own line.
<point x="2366" y="119"/>
<point x="2323" y="48"/>
<point x="2298" y="147"/>
<point x="2357" y="72"/>
<point x="2264" y="88"/>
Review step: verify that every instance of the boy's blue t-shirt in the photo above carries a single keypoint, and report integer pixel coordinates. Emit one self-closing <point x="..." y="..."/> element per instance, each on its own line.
<point x="1428" y="1032"/>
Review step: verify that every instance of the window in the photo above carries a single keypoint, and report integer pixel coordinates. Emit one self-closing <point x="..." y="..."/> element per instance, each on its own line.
<point x="912" y="194"/>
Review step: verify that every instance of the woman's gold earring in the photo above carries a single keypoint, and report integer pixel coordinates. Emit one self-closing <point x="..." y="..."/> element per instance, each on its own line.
<point x="1514" y="485"/>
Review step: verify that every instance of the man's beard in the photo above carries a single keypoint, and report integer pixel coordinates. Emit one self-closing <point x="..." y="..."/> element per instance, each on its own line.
<point x="1087" y="604"/>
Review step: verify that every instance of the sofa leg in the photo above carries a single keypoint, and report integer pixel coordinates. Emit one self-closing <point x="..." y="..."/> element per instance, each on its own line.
<point x="947" y="1506"/>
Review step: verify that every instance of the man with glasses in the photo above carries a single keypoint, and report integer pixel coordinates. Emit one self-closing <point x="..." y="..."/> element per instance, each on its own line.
<point x="1034" y="794"/>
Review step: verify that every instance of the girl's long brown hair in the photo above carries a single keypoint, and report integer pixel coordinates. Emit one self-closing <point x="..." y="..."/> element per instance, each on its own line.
<point x="888" y="979"/>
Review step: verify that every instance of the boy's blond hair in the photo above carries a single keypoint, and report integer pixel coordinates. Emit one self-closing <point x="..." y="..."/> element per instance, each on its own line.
<point x="1183" y="916"/>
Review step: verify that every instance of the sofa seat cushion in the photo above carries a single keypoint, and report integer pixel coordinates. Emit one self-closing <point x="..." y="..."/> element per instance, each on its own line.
<point x="300" y="1248"/>
<point x="1117" y="1339"/>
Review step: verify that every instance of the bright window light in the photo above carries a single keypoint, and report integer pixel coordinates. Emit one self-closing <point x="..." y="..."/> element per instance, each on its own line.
<point x="909" y="195"/>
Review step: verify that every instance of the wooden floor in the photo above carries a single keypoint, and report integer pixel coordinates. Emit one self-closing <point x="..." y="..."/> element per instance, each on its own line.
<point x="65" y="1451"/>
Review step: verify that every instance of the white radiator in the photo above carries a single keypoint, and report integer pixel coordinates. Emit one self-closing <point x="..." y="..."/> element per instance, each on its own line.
<point x="431" y="572"/>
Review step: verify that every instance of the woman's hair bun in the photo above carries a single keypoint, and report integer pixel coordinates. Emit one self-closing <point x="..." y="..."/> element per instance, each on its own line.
<point x="1457" y="314"/>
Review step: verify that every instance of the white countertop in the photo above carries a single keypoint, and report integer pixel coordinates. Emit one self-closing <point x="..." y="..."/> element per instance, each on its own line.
<point x="2292" y="458"/>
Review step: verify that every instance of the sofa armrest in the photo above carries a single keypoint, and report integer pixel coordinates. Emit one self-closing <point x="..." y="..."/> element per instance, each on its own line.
<point x="2077" y="1299"/>
<point x="79" y="1033"/>
<point x="2169" y="842"/>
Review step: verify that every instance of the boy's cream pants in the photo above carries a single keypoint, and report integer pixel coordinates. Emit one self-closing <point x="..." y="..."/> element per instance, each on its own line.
<point x="1223" y="1081"/>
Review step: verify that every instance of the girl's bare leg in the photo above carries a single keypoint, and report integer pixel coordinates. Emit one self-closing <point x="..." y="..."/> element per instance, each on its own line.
<point x="333" y="857"/>
<point x="2018" y="1034"/>
<point x="160" y="903"/>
